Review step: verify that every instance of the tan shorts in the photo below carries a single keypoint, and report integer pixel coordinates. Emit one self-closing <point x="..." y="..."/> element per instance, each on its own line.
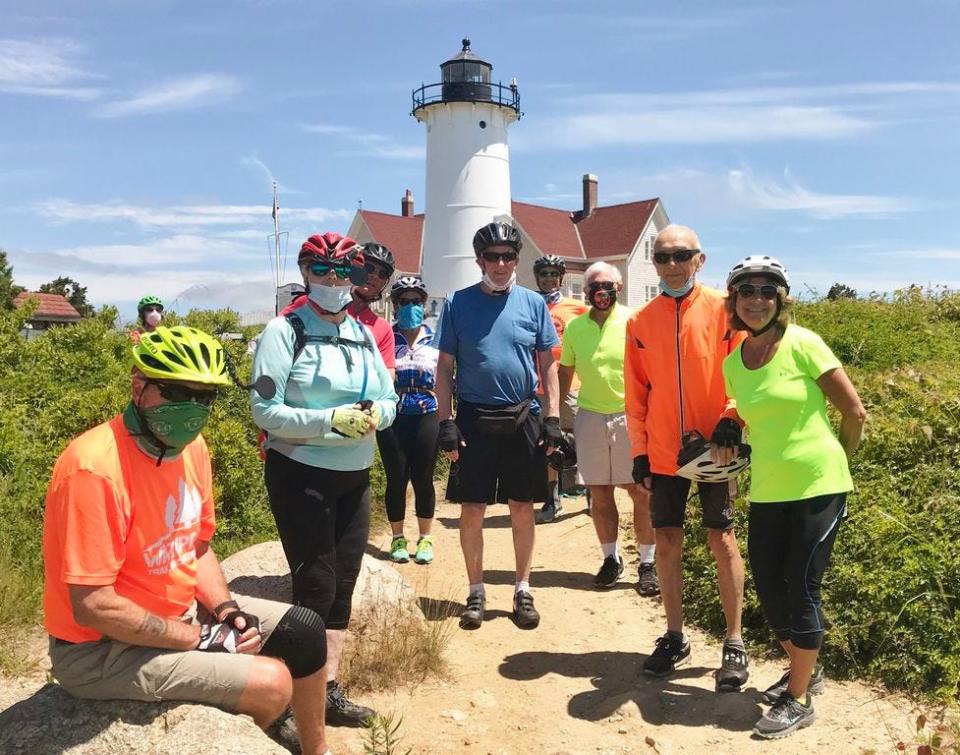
<point x="603" y="448"/>
<point x="112" y="670"/>
<point x="568" y="409"/>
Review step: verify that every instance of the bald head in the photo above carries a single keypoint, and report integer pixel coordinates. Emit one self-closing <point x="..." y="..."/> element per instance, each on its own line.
<point x="676" y="237"/>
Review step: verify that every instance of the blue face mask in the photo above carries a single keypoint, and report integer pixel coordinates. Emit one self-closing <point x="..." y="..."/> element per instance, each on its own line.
<point x="676" y="293"/>
<point x="331" y="298"/>
<point x="410" y="316"/>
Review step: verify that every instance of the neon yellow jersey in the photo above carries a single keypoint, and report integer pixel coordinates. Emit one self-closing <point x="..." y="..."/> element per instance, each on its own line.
<point x="795" y="452"/>
<point x="596" y="354"/>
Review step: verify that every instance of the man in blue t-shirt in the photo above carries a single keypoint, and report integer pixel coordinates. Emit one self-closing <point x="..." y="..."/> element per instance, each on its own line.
<point x="496" y="333"/>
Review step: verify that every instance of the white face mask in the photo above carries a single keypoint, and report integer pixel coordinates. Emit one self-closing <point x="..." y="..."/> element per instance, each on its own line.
<point x="499" y="289"/>
<point x="153" y="318"/>
<point x="331" y="298"/>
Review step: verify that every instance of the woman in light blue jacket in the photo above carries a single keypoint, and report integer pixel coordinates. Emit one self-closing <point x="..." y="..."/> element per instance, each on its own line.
<point x="323" y="391"/>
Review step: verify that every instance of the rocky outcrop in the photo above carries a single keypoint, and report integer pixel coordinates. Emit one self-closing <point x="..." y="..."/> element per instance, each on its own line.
<point x="52" y="722"/>
<point x="261" y="571"/>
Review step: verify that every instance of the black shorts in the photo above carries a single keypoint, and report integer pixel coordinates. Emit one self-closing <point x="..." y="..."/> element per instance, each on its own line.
<point x="668" y="503"/>
<point x="497" y="468"/>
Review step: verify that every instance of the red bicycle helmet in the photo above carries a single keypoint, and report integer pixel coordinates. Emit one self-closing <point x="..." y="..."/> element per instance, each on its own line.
<point x="333" y="249"/>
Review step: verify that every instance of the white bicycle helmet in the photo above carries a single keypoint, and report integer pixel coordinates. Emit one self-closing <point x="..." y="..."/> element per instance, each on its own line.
<point x="759" y="264"/>
<point x="695" y="464"/>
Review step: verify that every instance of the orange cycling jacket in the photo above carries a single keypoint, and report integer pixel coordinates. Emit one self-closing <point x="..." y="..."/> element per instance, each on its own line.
<point x="673" y="373"/>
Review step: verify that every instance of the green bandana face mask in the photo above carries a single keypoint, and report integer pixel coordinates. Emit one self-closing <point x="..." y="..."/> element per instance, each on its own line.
<point x="177" y="423"/>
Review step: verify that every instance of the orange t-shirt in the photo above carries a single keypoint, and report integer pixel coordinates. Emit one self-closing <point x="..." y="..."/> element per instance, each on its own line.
<point x="113" y="517"/>
<point x="561" y="313"/>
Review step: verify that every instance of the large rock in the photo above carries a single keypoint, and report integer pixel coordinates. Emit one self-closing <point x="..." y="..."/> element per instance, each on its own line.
<point x="261" y="571"/>
<point x="52" y="722"/>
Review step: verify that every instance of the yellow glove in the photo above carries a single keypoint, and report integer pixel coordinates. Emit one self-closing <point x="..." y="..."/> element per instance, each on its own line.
<point x="374" y="413"/>
<point x="350" y="422"/>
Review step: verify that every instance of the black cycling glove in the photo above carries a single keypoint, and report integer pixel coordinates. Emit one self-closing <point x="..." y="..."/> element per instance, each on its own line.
<point x="218" y="638"/>
<point x="641" y="469"/>
<point x="450" y="437"/>
<point x="550" y="433"/>
<point x="727" y="433"/>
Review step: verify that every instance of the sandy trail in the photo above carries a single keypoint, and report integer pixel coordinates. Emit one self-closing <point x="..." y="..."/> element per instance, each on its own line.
<point x="574" y="684"/>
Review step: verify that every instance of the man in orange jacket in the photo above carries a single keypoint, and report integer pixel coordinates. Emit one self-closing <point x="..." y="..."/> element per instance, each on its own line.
<point x="674" y="385"/>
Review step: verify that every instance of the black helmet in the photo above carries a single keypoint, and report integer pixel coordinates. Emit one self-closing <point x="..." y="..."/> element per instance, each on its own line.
<point x="496" y="233"/>
<point x="379" y="253"/>
<point x="407" y="283"/>
<point x="549" y="260"/>
<point x="564" y="454"/>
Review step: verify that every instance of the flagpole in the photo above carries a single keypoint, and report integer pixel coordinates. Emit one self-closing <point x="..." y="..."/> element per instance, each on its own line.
<point x="276" y="237"/>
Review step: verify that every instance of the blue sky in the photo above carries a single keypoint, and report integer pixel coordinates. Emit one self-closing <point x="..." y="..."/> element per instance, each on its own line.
<point x="138" y="140"/>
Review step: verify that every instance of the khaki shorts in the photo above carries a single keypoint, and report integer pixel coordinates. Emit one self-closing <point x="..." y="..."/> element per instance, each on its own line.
<point x="603" y="448"/>
<point x="112" y="670"/>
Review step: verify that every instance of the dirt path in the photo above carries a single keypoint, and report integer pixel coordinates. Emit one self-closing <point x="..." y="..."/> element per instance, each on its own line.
<point x="574" y="685"/>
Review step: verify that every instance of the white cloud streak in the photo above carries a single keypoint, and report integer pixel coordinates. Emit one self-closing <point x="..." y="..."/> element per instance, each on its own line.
<point x="369" y="144"/>
<point x="45" y="67"/>
<point x="197" y="91"/>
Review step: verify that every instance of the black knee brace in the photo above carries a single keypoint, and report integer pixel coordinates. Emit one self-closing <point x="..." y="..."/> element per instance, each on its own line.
<point x="300" y="641"/>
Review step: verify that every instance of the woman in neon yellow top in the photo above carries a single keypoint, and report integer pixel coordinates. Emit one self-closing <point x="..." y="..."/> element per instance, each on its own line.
<point x="781" y="378"/>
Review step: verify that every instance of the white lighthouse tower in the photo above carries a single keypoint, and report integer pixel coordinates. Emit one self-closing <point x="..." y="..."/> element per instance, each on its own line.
<point x="468" y="165"/>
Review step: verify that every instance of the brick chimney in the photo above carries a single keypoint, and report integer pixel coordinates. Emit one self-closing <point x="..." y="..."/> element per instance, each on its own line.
<point x="589" y="195"/>
<point x="406" y="205"/>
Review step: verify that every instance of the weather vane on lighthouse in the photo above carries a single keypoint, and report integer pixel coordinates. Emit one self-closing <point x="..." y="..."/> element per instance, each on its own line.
<point x="468" y="164"/>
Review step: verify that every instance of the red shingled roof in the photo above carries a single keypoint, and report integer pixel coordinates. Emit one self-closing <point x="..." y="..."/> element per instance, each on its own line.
<point x="552" y="230"/>
<point x="402" y="234"/>
<point x="607" y="232"/>
<point x="614" y="230"/>
<point x="52" y="306"/>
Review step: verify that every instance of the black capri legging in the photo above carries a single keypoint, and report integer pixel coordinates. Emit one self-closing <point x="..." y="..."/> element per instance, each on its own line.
<point x="408" y="450"/>
<point x="790" y="543"/>
<point x="323" y="519"/>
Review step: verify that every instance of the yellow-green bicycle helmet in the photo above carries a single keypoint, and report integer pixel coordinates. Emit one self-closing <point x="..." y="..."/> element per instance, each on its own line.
<point x="181" y="353"/>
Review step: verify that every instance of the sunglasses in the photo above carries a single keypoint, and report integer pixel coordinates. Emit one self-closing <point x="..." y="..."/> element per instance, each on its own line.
<point x="604" y="286"/>
<point x="549" y="274"/>
<point x="748" y="290"/>
<point x="180" y="393"/>
<point x="378" y="270"/>
<point x="320" y="269"/>
<point x="682" y="255"/>
<point x="409" y="300"/>
<point x="495" y="257"/>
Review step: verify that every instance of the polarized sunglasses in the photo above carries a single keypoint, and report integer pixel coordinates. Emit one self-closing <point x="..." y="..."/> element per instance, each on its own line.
<point x="320" y="269"/>
<point x="602" y="286"/>
<point x="749" y="290"/>
<point x="181" y="394"/>
<point x="495" y="257"/>
<point x="549" y="274"/>
<point x="681" y="255"/>
<point x="380" y="271"/>
<point x="409" y="300"/>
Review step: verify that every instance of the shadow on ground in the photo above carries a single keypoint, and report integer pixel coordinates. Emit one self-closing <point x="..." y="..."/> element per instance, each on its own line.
<point x="617" y="680"/>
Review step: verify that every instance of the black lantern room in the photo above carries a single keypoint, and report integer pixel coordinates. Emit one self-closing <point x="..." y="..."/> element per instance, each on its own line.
<point x="466" y="78"/>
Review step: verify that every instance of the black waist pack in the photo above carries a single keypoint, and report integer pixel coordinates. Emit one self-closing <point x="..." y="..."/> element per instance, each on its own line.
<point x="502" y="420"/>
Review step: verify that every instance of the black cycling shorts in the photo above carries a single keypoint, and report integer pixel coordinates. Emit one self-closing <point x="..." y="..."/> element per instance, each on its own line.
<point x="498" y="468"/>
<point x="668" y="502"/>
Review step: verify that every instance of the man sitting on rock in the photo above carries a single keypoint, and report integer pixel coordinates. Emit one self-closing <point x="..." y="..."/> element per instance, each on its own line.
<point x="135" y="602"/>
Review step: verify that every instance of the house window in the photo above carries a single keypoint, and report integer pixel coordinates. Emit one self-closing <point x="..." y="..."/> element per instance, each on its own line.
<point x="647" y="249"/>
<point x="576" y="289"/>
<point x="652" y="292"/>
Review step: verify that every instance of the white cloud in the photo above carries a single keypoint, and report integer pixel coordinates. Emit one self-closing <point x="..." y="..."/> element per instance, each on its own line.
<point x="732" y="116"/>
<point x="258" y="165"/>
<point x="949" y="255"/>
<point x="46" y="67"/>
<point x="187" y="216"/>
<point x="370" y="144"/>
<point x="789" y="195"/>
<point x="180" y="94"/>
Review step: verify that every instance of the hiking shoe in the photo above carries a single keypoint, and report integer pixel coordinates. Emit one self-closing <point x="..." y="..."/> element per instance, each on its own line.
<point x="732" y="674"/>
<point x="666" y="656"/>
<point x="816" y="685"/>
<point x="610" y="571"/>
<point x="549" y="511"/>
<point x="647" y="582"/>
<point x="284" y="732"/>
<point x="398" y="550"/>
<point x="424" y="550"/>
<point x="524" y="613"/>
<point x="472" y="616"/>
<point x="343" y="712"/>
<point x="785" y="717"/>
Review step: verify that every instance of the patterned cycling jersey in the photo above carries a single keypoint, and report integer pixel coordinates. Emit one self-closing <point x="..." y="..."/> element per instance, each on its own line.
<point x="416" y="375"/>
